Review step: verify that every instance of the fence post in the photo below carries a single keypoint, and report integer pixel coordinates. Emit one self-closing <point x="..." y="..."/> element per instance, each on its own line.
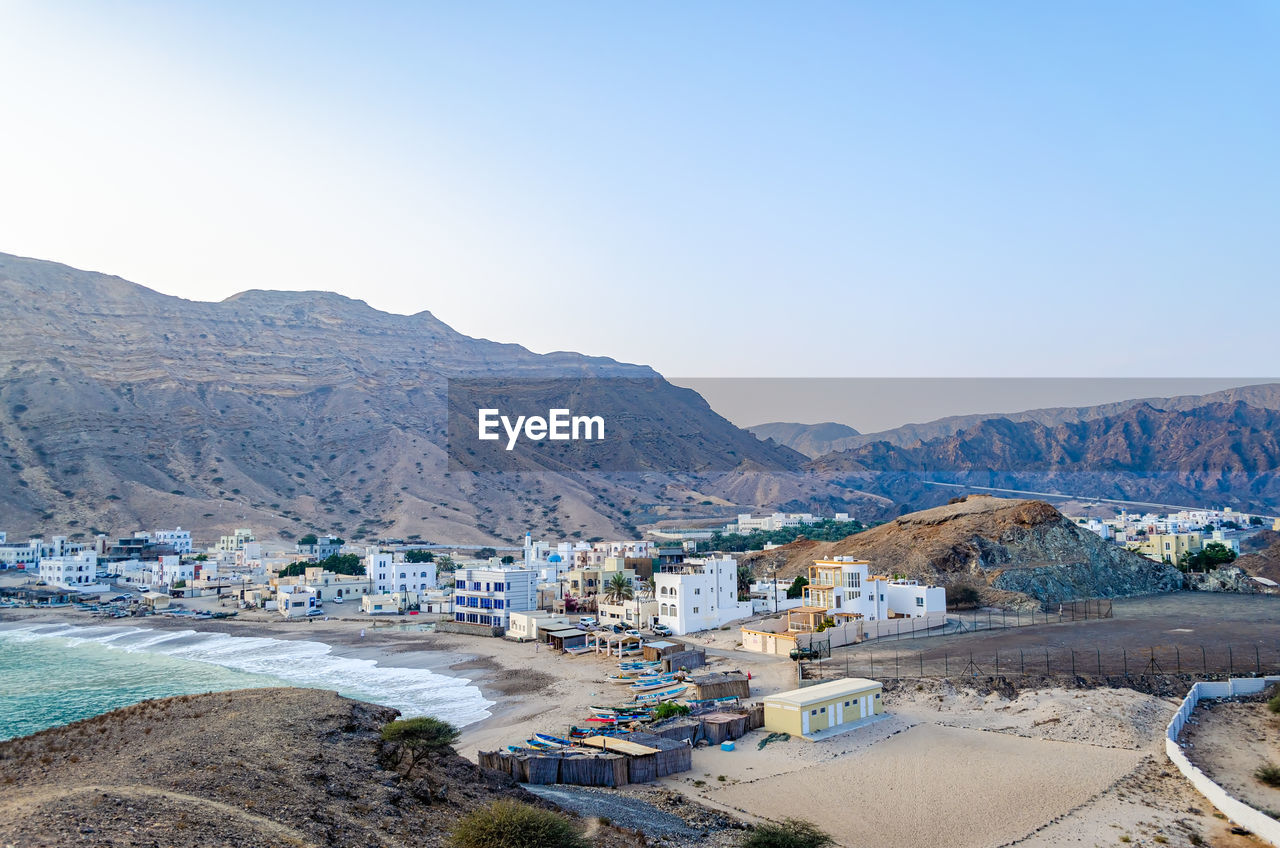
<point x="1047" y="673"/>
<point x="921" y="655"/>
<point x="872" y="657"/>
<point x="1124" y="654"/>
<point x="1099" y="662"/>
<point x="1257" y="662"/>
<point x="1204" y="659"/>
<point x="1073" y="662"/>
<point x="1231" y="663"/>
<point x="946" y="665"/>
<point x="1022" y="663"/>
<point x="896" y="674"/>
<point x="1177" y="657"/>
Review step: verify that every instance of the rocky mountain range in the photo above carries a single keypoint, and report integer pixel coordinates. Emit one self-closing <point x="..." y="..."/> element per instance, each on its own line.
<point x="814" y="440"/>
<point x="1009" y="549"/>
<point x="1224" y="453"/>
<point x="123" y="408"/>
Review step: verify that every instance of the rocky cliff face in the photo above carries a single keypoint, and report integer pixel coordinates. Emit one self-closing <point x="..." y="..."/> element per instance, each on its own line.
<point x="1020" y="546"/>
<point x="1221" y="453"/>
<point x="121" y="408"/>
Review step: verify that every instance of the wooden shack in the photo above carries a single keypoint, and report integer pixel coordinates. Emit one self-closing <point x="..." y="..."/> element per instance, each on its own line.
<point x="669" y="756"/>
<point x="719" y="685"/>
<point x="562" y="638"/>
<point x="684" y="659"/>
<point x="654" y="651"/>
<point x="718" y="727"/>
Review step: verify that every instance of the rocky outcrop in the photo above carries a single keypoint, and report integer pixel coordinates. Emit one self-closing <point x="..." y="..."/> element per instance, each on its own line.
<point x="1020" y="546"/>
<point x="1228" y="578"/>
<point x="256" y="767"/>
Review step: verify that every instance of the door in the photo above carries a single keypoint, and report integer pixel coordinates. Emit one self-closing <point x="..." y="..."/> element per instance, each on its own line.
<point x="839" y="712"/>
<point x="804" y="722"/>
<point x="866" y="705"/>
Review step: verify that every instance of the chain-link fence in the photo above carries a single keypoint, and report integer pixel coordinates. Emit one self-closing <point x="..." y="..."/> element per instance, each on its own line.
<point x="1048" y="661"/>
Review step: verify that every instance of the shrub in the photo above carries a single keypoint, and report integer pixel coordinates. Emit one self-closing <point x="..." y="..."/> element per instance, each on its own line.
<point x="792" y="833"/>
<point x="1269" y="774"/>
<point x="510" y="824"/>
<point x="419" y="738"/>
<point x="1274" y="704"/>
<point x="668" y="709"/>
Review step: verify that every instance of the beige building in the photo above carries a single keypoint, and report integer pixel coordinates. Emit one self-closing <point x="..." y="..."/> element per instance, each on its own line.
<point x="825" y="709"/>
<point x="1170" y="547"/>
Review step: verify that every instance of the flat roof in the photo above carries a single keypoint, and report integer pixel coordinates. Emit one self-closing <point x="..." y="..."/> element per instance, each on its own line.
<point x="565" y="632"/>
<point x="619" y="746"/>
<point x="824" y="691"/>
<point x="660" y="644"/>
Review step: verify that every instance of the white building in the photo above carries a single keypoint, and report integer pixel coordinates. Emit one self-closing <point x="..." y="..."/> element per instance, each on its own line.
<point x="489" y="594"/>
<point x="296" y="601"/>
<point x="77" y="571"/>
<point x="390" y="573"/>
<point x="178" y="539"/>
<point x="168" y="571"/>
<point x="699" y="594"/>
<point x="844" y="588"/>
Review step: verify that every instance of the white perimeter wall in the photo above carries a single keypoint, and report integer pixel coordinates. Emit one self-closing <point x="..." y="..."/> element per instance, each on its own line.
<point x="1239" y="812"/>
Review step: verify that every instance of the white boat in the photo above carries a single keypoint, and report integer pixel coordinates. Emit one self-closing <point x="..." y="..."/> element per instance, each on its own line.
<point x="656" y="683"/>
<point x="668" y="694"/>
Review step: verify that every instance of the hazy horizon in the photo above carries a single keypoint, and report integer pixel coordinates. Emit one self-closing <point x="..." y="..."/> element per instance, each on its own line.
<point x="838" y="189"/>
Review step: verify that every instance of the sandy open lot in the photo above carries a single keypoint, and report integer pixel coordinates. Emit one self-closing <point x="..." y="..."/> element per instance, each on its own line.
<point x="1229" y="740"/>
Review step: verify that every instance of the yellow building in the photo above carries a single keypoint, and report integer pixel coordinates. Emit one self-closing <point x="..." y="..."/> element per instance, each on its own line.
<point x="1170" y="547"/>
<point x="824" y="709"/>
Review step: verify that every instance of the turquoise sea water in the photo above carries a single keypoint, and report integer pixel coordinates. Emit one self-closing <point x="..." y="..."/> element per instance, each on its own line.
<point x="51" y="674"/>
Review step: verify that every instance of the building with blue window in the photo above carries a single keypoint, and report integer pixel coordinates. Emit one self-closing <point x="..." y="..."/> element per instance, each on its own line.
<point x="489" y="595"/>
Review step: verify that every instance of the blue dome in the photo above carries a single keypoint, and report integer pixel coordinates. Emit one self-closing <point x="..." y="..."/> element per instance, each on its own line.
<point x="554" y="558"/>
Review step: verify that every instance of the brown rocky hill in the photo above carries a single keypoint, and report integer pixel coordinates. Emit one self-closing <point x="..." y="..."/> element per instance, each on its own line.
<point x="814" y="440"/>
<point x="1263" y="563"/>
<point x="122" y="408"/>
<point x="1021" y="546"/>
<point x="1220" y="453"/>
<point x="259" y="767"/>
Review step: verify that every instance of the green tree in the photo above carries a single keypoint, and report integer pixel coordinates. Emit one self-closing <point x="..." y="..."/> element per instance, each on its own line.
<point x="486" y="553"/>
<point x="745" y="575"/>
<point x="511" y="824"/>
<point x="338" y="563"/>
<point x="445" y="564"/>
<point x="963" y="596"/>
<point x="419" y="556"/>
<point x="796" y="589"/>
<point x="1256" y="521"/>
<point x="791" y="833"/>
<point x="1211" y="556"/>
<point x="308" y="539"/>
<point x="418" y="739"/>
<point x="618" y="589"/>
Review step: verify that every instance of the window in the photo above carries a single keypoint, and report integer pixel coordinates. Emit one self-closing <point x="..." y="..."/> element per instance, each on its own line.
<point x="824" y="709"/>
<point x="813" y="712"/>
<point x="919" y="602"/>
<point x="695" y="610"/>
<point x="497" y="587"/>
<point x="697" y="591"/>
<point x="846" y="703"/>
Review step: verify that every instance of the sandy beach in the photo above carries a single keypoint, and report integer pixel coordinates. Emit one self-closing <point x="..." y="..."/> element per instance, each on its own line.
<point x="1043" y="767"/>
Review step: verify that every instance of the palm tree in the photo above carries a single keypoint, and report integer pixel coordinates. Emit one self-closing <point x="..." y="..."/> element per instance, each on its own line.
<point x="618" y="589"/>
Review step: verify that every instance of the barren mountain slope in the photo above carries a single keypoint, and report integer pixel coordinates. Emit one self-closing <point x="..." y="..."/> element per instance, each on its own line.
<point x="259" y="767"/>
<point x="1010" y="545"/>
<point x="122" y="408"/>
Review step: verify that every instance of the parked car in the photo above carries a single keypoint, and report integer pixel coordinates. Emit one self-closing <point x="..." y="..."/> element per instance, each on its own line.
<point x="661" y="630"/>
<point x="631" y="631"/>
<point x="337" y="600"/>
<point x="315" y="611"/>
<point x="588" y="620"/>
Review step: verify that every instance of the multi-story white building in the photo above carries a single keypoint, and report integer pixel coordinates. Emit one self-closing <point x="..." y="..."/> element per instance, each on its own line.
<point x="75" y="571"/>
<point x="24" y="556"/>
<point x="170" y="570"/>
<point x="843" y="589"/>
<point x="237" y="540"/>
<point x="178" y="539"/>
<point x="699" y="594"/>
<point x="746" y="523"/>
<point x="489" y="594"/>
<point x="390" y="573"/>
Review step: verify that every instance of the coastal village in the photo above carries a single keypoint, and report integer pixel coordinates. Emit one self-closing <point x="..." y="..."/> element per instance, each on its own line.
<point x="654" y="667"/>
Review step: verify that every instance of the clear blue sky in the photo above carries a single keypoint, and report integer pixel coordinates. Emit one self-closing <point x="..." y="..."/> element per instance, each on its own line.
<point x="716" y="189"/>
